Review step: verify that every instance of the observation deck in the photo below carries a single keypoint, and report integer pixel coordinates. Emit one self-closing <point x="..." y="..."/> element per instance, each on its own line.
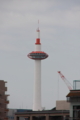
<point x="37" y="55"/>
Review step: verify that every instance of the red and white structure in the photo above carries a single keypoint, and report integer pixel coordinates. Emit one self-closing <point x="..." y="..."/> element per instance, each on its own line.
<point x="65" y="80"/>
<point x="37" y="55"/>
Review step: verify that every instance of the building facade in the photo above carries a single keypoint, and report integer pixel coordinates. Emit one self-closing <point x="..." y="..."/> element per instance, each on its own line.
<point x="11" y="113"/>
<point x="74" y="98"/>
<point x="62" y="105"/>
<point x="3" y="101"/>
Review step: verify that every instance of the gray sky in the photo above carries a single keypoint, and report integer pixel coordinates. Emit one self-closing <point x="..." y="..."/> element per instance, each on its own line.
<point x="60" y="38"/>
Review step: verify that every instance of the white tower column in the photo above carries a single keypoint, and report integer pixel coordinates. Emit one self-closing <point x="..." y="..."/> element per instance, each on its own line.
<point x="37" y="86"/>
<point x="37" y="55"/>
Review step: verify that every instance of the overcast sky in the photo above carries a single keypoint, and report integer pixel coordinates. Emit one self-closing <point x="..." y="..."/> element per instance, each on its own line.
<point x="60" y="38"/>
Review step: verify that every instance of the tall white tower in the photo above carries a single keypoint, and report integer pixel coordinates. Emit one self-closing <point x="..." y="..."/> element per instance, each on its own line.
<point x="37" y="55"/>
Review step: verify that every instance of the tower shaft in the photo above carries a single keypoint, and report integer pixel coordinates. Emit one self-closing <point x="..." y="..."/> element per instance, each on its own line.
<point x="37" y="82"/>
<point x="37" y="86"/>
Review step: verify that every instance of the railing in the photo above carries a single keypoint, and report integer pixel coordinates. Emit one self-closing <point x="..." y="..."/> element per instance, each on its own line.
<point x="7" y="101"/>
<point x="73" y="99"/>
<point x="1" y="100"/>
<point x="6" y="110"/>
<point x="5" y="88"/>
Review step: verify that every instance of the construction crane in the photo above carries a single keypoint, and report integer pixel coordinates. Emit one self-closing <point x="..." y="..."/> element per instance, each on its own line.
<point x="65" y="80"/>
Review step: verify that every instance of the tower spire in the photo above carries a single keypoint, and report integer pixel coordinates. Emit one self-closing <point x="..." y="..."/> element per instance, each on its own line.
<point x="38" y="24"/>
<point x="38" y="35"/>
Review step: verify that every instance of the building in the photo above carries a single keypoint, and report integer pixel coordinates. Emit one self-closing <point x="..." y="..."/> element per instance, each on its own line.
<point x="11" y="113"/>
<point x="73" y="98"/>
<point x="37" y="55"/>
<point x="62" y="105"/>
<point x="60" y="112"/>
<point x="52" y="114"/>
<point x="3" y="101"/>
<point x="64" y="110"/>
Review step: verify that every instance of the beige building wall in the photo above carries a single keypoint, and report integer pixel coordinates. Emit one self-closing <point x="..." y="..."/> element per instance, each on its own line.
<point x="62" y="105"/>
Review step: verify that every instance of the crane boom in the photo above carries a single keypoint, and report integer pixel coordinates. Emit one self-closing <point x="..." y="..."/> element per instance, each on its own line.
<point x="65" y="80"/>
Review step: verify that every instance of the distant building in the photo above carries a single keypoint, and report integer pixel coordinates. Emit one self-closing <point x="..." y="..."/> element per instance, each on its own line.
<point x="11" y="113"/>
<point x="3" y="101"/>
<point x="60" y="112"/>
<point x="62" y="105"/>
<point x="73" y="98"/>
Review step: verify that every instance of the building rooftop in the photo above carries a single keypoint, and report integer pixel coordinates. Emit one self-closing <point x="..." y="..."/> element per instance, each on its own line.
<point x="43" y="112"/>
<point x="74" y="93"/>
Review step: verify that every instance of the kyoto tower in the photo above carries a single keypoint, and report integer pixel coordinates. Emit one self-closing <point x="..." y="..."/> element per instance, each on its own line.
<point x="37" y="55"/>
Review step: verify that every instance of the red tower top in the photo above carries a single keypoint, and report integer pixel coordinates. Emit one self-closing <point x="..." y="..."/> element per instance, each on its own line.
<point x="38" y="35"/>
